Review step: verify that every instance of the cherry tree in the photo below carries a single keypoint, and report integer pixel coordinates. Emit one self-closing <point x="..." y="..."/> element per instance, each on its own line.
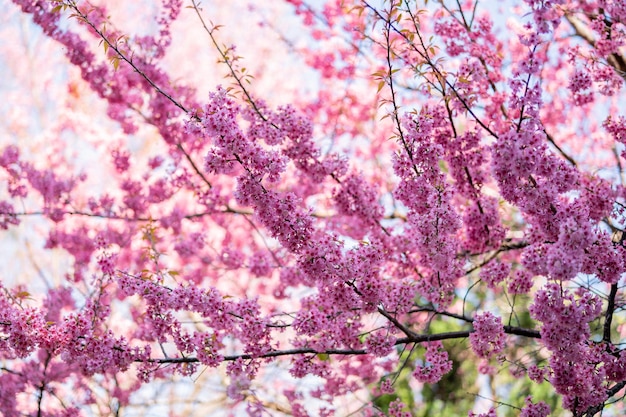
<point x="374" y="207"/>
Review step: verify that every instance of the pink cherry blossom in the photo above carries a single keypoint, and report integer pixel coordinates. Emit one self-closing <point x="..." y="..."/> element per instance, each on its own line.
<point x="312" y="208"/>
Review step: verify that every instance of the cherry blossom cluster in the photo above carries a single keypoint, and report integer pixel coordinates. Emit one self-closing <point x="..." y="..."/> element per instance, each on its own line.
<point x="23" y="176"/>
<point x="223" y="318"/>
<point x="540" y="409"/>
<point x="617" y="129"/>
<point x="433" y="221"/>
<point x="436" y="364"/>
<point x="488" y="338"/>
<point x="564" y="317"/>
<point x="577" y="365"/>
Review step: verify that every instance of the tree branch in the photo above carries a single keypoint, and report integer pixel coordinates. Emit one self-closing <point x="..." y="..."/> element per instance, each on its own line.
<point x="608" y="315"/>
<point x="415" y="338"/>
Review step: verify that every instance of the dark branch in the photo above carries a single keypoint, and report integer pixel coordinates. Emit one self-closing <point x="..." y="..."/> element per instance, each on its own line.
<point x="608" y="316"/>
<point x="417" y="338"/>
